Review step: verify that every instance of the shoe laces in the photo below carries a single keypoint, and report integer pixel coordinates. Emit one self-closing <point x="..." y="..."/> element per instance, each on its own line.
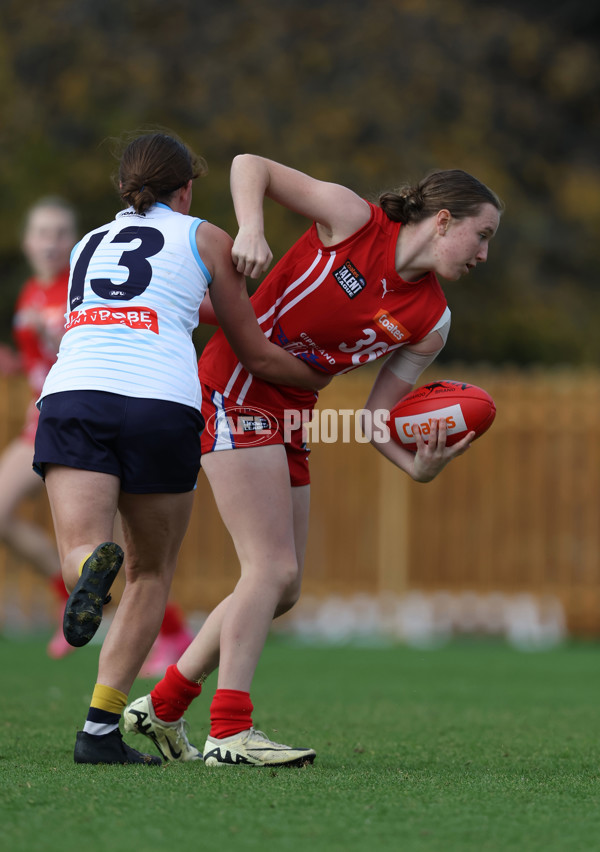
<point x="181" y="728"/>
<point x="262" y="736"/>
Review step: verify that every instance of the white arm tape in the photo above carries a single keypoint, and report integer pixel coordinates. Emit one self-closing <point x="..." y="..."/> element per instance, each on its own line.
<point x="443" y="325"/>
<point x="408" y="364"/>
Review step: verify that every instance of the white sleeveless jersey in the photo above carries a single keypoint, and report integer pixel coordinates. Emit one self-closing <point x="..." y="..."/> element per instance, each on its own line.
<point x="134" y="291"/>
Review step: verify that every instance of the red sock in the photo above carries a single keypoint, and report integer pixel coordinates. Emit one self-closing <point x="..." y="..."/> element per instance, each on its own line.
<point x="173" y="621"/>
<point x="58" y="587"/>
<point x="230" y="713"/>
<point x="172" y="696"/>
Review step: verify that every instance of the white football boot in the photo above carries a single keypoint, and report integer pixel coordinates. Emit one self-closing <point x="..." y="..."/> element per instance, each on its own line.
<point x="253" y="748"/>
<point x="170" y="738"/>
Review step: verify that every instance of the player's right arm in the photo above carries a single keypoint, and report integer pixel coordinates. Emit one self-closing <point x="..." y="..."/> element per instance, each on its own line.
<point x="338" y="211"/>
<point x="394" y="381"/>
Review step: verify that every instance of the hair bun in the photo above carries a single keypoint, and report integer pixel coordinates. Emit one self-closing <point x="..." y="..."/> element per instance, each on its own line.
<point x="413" y="198"/>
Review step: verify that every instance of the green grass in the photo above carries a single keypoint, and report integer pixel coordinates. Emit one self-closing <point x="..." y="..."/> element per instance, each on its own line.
<point x="474" y="746"/>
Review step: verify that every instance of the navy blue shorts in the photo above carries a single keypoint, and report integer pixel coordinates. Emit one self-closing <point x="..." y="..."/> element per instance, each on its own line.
<point x="152" y="445"/>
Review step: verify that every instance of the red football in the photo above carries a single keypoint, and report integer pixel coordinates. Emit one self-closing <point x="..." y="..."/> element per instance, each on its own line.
<point x="464" y="407"/>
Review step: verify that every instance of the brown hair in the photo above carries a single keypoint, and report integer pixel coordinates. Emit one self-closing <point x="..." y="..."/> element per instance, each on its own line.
<point x="451" y="189"/>
<point x="153" y="166"/>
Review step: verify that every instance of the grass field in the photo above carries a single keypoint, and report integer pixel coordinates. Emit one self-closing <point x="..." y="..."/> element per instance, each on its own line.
<point x="473" y="746"/>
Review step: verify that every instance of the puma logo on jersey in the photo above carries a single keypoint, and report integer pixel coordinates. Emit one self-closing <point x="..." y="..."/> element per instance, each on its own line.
<point x="349" y="279"/>
<point x="385" y="289"/>
<point x="392" y="327"/>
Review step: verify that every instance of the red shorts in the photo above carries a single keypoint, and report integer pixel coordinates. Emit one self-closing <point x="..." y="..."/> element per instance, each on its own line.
<point x="229" y="427"/>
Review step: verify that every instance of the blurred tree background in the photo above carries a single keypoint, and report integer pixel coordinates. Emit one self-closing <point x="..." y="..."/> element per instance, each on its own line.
<point x="369" y="94"/>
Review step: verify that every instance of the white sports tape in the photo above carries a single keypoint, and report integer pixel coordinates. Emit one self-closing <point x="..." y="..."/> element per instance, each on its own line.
<point x="408" y="364"/>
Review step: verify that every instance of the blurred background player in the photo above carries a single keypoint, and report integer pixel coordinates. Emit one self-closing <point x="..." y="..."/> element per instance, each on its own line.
<point x="173" y="638"/>
<point x="49" y="234"/>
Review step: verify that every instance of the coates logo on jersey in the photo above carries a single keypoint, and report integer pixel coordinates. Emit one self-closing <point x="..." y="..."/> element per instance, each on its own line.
<point x="349" y="279"/>
<point x="241" y="425"/>
<point x="392" y="327"/>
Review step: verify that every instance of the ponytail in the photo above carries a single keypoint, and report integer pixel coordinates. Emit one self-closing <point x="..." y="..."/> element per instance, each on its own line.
<point x="451" y="189"/>
<point x="153" y="167"/>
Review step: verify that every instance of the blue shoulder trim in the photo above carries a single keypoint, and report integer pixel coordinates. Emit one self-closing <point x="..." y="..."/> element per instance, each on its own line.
<point x="193" y="228"/>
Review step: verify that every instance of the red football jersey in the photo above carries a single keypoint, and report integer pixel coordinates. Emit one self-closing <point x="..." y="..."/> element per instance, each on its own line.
<point x="38" y="326"/>
<point x="336" y="307"/>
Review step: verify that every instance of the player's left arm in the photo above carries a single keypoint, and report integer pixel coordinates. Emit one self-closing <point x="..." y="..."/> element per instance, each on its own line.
<point x="394" y="381"/>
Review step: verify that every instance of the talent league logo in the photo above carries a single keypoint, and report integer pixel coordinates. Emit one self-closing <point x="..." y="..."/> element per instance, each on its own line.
<point x="349" y="279"/>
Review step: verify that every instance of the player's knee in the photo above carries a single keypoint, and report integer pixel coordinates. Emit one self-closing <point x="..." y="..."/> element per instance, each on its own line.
<point x="289" y="597"/>
<point x="286" y="605"/>
<point x="137" y="570"/>
<point x="70" y="575"/>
